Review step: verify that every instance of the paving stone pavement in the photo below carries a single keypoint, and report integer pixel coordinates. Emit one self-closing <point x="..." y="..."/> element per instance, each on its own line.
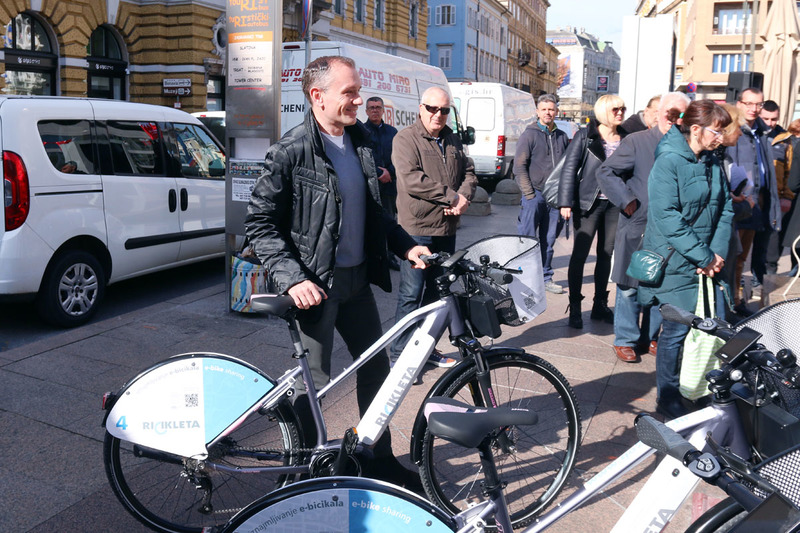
<point x="51" y="469"/>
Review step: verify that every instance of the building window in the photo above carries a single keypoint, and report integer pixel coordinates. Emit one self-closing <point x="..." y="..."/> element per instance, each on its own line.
<point x="359" y="8"/>
<point x="413" y="20"/>
<point x="723" y="63"/>
<point x="446" y="15"/>
<point x="732" y="20"/>
<point x="379" y="15"/>
<point x="445" y="57"/>
<point x="215" y="95"/>
<point x="29" y="58"/>
<point x="338" y="7"/>
<point x="107" y="69"/>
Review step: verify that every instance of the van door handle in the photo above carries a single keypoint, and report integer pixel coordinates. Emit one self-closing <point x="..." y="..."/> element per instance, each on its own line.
<point x="173" y="201"/>
<point x="184" y="199"/>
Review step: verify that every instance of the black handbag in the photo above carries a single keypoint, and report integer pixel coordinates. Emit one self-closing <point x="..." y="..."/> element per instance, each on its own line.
<point x="550" y="188"/>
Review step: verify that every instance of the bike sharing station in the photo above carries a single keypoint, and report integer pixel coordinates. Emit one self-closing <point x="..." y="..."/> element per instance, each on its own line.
<point x="252" y="117"/>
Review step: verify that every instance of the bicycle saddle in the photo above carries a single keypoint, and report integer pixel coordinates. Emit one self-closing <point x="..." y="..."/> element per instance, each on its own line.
<point x="271" y="304"/>
<point x="467" y="425"/>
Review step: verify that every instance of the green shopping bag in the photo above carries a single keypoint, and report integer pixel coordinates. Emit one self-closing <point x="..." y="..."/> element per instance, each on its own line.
<point x="699" y="347"/>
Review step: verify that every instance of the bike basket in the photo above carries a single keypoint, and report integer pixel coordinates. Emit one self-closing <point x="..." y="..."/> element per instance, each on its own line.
<point x="523" y="299"/>
<point x="782" y="471"/>
<point x="776" y="324"/>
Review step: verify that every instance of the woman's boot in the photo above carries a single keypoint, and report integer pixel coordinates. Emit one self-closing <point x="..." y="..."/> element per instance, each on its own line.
<point x="600" y="310"/>
<point x="574" y="308"/>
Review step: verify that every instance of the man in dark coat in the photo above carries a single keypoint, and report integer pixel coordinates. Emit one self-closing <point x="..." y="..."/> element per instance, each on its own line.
<point x="623" y="179"/>
<point x="384" y="135"/>
<point x="539" y="148"/>
<point x="644" y="119"/>
<point x="316" y="223"/>
<point x="753" y="152"/>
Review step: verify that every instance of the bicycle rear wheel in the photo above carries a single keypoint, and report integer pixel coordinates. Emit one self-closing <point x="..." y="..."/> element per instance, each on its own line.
<point x="540" y="458"/>
<point x="173" y="494"/>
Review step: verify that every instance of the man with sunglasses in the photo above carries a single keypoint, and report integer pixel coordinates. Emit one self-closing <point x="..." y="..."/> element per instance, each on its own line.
<point x="539" y="148"/>
<point x="435" y="183"/>
<point x="753" y="152"/>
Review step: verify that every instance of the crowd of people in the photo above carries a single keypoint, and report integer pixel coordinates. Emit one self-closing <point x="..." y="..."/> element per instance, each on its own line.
<point x="705" y="186"/>
<point x="340" y="201"/>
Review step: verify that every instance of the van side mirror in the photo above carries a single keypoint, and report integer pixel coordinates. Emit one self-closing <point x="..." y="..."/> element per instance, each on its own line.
<point x="468" y="136"/>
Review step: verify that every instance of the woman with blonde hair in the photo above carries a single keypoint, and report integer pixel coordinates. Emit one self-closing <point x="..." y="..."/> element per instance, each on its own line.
<point x="579" y="194"/>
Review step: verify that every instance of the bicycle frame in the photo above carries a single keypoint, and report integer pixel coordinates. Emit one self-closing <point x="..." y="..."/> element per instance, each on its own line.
<point x="669" y="485"/>
<point x="159" y="383"/>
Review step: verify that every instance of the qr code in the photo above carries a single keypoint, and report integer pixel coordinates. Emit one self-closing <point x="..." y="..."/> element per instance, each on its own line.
<point x="192" y="400"/>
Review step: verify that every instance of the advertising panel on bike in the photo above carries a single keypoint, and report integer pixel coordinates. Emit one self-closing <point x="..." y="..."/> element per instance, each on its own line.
<point x="182" y="405"/>
<point x="342" y="510"/>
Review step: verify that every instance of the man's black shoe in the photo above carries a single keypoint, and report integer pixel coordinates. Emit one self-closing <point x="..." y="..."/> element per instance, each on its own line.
<point x="672" y="408"/>
<point x="742" y="310"/>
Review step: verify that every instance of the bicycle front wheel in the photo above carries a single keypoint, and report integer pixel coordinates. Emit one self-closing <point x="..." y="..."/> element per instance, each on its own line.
<point x="173" y="494"/>
<point x="534" y="461"/>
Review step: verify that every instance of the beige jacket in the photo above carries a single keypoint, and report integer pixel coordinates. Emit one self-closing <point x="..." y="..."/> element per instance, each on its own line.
<point x="428" y="180"/>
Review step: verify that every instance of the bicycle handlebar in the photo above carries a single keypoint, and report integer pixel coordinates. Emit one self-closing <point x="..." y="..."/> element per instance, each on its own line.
<point x="715" y="469"/>
<point x="456" y="261"/>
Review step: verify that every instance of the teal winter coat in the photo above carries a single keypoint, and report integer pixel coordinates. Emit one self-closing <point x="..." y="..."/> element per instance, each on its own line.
<point x="679" y="187"/>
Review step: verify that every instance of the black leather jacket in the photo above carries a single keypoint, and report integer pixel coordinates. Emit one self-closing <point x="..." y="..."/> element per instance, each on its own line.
<point x="295" y="209"/>
<point x="579" y="188"/>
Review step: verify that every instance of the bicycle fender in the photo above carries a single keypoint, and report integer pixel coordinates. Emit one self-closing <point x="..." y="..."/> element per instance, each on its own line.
<point x="182" y="404"/>
<point x="421" y="423"/>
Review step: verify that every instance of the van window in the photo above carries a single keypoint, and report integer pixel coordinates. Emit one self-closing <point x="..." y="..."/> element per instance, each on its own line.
<point x="68" y="144"/>
<point x="480" y="113"/>
<point x="136" y="147"/>
<point x="200" y="157"/>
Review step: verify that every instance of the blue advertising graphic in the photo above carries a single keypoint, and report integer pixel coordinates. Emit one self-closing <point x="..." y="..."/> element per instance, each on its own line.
<point x="229" y="389"/>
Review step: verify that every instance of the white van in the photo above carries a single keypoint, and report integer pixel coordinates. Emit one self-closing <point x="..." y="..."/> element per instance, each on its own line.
<point x="97" y="191"/>
<point x="499" y="114"/>
<point x="400" y="82"/>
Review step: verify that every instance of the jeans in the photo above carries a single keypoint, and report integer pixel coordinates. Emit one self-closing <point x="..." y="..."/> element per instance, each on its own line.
<point x="668" y="360"/>
<point x="544" y="223"/>
<point x="601" y="220"/>
<point x="350" y="309"/>
<point x="418" y="287"/>
<point x="670" y="352"/>
<point x="627" y="331"/>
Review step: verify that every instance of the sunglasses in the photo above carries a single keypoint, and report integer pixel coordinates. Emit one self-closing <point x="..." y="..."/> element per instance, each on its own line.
<point x="432" y="109"/>
<point x="616" y="110"/>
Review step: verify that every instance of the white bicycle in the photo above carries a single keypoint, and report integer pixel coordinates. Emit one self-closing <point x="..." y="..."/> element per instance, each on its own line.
<point x="764" y="497"/>
<point x="192" y="440"/>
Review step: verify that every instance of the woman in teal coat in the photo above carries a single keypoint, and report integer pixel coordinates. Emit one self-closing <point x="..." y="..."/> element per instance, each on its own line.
<point x="690" y="217"/>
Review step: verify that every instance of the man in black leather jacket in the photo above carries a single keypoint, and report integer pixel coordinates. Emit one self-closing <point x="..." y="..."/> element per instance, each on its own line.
<point x="316" y="223"/>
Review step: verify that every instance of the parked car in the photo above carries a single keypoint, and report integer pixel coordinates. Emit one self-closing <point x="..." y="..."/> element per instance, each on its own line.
<point x="98" y="191"/>
<point x="568" y="127"/>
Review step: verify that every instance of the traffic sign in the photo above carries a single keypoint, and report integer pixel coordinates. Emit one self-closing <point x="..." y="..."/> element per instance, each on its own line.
<point x="176" y="91"/>
<point x="177" y="82"/>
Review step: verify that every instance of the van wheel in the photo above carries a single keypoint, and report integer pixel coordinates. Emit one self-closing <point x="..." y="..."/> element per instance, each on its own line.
<point x="72" y="289"/>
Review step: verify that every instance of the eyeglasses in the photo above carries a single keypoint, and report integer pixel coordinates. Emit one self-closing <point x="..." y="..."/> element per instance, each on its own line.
<point x="715" y="132"/>
<point x="432" y="109"/>
<point x="616" y="110"/>
<point x="757" y="105"/>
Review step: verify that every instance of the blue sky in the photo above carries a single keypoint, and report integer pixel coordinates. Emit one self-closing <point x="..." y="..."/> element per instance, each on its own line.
<point x="601" y="18"/>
